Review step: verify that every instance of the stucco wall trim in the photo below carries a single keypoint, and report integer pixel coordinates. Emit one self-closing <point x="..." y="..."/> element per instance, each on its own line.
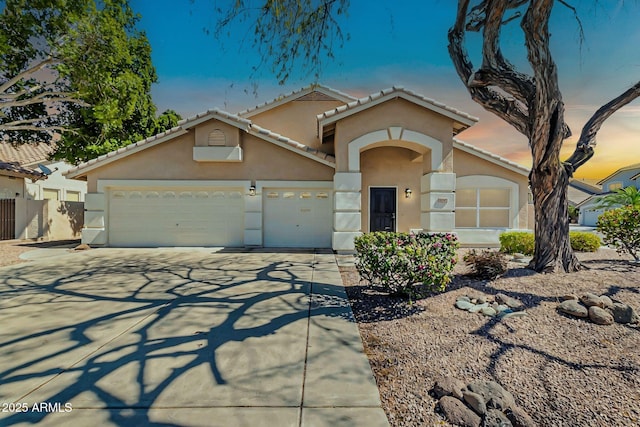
<point x="416" y="141"/>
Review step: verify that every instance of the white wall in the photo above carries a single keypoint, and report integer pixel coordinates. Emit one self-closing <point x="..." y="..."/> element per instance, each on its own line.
<point x="56" y="181"/>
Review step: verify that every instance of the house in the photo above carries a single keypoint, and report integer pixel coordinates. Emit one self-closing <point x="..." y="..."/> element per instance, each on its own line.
<point x="314" y="168"/>
<point x="28" y="182"/>
<point x="622" y="178"/>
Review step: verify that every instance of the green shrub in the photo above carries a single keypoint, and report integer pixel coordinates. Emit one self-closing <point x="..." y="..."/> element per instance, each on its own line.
<point x="407" y="264"/>
<point x="517" y="242"/>
<point x="621" y="229"/>
<point x="486" y="264"/>
<point x="583" y="241"/>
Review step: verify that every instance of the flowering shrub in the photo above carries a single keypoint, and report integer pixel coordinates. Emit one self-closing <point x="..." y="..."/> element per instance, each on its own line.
<point x="583" y="241"/>
<point x="407" y="264"/>
<point x="517" y="241"/>
<point x="486" y="264"/>
<point x="621" y="229"/>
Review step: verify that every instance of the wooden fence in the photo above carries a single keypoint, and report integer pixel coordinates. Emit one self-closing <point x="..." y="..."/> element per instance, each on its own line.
<point x="7" y="219"/>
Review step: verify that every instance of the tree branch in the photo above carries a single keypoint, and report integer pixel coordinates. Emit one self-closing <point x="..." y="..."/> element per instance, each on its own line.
<point x="37" y="67"/>
<point x="44" y="97"/>
<point x="584" y="148"/>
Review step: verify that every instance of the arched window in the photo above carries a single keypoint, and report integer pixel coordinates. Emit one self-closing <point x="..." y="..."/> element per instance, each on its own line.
<point x="217" y="138"/>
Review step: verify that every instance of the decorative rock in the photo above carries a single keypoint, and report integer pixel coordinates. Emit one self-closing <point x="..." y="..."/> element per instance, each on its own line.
<point x="519" y="418"/>
<point x="574" y="308"/>
<point x="600" y="316"/>
<point x="507" y="300"/>
<point x="448" y="386"/>
<point x="457" y="413"/>
<point x="488" y="311"/>
<point x="494" y="395"/>
<point x="606" y="301"/>
<point x="476" y="308"/>
<point x="482" y="300"/>
<point x="503" y="307"/>
<point x="82" y="247"/>
<point x="463" y="298"/>
<point x="475" y="401"/>
<point x="518" y="255"/>
<point x="568" y="296"/>
<point x="591" y="300"/>
<point x="622" y="313"/>
<point x="464" y="305"/>
<point x="495" y="418"/>
<point x="514" y="314"/>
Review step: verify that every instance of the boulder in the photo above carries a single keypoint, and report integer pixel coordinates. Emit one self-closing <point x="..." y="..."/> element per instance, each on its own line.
<point x="488" y="311"/>
<point x="568" y="296"/>
<point x="464" y="305"/>
<point x="448" y="386"/>
<point x="509" y="301"/>
<point x="606" y="301"/>
<point x="478" y="307"/>
<point x="463" y="298"/>
<point x="519" y="418"/>
<point x="495" y="418"/>
<point x="574" y="308"/>
<point x="591" y="300"/>
<point x="494" y="395"/>
<point x="600" y="316"/>
<point x="457" y="413"/>
<point x="622" y="313"/>
<point x="475" y="402"/>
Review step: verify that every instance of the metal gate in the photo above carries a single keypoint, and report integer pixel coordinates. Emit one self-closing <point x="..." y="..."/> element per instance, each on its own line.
<point x="7" y="219"/>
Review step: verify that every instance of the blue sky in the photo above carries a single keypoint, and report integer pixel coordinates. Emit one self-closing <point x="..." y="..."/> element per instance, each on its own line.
<point x="404" y="43"/>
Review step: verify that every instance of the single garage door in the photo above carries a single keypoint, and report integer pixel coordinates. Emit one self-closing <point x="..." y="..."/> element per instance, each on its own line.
<point x="297" y="218"/>
<point x="176" y="217"/>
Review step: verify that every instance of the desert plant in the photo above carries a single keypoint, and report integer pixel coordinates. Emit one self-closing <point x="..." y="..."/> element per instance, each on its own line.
<point x="629" y="196"/>
<point x="517" y="242"/>
<point x="486" y="264"/>
<point x="406" y="264"/>
<point x="583" y="241"/>
<point x="574" y="214"/>
<point x="621" y="229"/>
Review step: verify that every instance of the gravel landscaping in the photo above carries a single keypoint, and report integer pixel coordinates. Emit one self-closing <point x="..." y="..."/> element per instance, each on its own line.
<point x="561" y="370"/>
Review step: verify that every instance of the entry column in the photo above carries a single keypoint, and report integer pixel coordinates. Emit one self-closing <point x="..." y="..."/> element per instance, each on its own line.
<point x="437" y="201"/>
<point x="347" y="218"/>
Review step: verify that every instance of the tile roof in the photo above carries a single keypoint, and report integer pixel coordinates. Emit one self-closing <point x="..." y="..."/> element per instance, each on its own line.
<point x="487" y="155"/>
<point x="25" y="154"/>
<point x="400" y="91"/>
<point x="333" y="93"/>
<point x="186" y="124"/>
<point x="14" y="169"/>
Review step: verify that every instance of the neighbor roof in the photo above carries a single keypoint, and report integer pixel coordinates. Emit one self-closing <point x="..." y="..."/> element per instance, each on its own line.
<point x="186" y="124"/>
<point x="24" y="154"/>
<point x="624" y="169"/>
<point x="15" y="170"/>
<point x="462" y="119"/>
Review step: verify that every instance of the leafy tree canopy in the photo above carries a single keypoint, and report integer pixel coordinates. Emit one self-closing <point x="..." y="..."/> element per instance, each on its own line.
<point x="79" y="68"/>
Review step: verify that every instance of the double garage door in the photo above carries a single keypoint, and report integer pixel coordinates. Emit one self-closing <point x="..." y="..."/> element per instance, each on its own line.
<point x="145" y="217"/>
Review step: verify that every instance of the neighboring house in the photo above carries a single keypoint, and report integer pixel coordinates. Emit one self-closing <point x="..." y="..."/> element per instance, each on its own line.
<point x="314" y="168"/>
<point x="622" y="178"/>
<point x="28" y="182"/>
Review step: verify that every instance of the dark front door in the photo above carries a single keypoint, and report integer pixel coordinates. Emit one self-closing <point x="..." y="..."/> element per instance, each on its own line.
<point x="382" y="203"/>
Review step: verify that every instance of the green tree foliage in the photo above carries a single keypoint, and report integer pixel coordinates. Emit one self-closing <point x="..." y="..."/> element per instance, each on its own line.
<point x="621" y="229"/>
<point x="629" y="196"/>
<point x="84" y="71"/>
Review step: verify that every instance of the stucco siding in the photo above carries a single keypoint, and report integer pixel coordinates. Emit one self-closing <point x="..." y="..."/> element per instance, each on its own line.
<point x="392" y="167"/>
<point x="465" y="164"/>
<point x="174" y="160"/>
<point x="396" y="113"/>
<point x="297" y="120"/>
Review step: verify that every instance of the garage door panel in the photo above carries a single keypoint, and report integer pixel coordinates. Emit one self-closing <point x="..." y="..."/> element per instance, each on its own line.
<point x="184" y="217"/>
<point x="300" y="218"/>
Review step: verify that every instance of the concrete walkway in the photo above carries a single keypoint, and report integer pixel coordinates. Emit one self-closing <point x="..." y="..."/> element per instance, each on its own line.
<point x="189" y="337"/>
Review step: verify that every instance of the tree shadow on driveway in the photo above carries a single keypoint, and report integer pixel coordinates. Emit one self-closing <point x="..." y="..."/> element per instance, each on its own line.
<point x="166" y="329"/>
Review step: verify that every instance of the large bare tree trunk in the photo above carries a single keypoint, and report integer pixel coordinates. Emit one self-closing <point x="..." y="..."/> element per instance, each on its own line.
<point x="533" y="105"/>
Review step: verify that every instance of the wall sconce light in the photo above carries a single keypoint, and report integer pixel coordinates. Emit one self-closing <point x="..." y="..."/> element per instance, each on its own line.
<point x="252" y="190"/>
<point x="407" y="193"/>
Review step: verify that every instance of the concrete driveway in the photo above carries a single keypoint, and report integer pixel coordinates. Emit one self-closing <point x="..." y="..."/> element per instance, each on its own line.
<point x="187" y="337"/>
